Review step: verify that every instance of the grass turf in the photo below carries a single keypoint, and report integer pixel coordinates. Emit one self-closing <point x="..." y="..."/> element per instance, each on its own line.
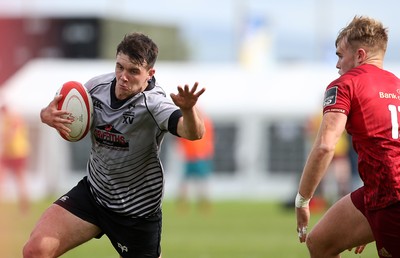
<point x="234" y="229"/>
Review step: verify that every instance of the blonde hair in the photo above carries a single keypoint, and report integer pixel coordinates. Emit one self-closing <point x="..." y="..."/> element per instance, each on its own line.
<point x="364" y="32"/>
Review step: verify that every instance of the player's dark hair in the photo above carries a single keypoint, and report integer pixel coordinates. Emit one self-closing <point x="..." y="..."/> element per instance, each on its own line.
<point x="140" y="49"/>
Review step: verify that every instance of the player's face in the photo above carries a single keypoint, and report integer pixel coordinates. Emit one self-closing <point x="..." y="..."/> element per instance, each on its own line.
<point x="131" y="78"/>
<point x="347" y="58"/>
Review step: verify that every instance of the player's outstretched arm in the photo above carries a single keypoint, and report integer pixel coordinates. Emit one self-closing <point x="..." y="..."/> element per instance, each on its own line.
<point x="55" y="118"/>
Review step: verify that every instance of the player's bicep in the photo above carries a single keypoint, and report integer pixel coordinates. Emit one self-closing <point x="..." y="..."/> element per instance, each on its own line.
<point x="332" y="127"/>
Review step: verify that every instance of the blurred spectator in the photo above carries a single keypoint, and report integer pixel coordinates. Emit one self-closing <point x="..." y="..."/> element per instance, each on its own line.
<point x="198" y="165"/>
<point x="14" y="151"/>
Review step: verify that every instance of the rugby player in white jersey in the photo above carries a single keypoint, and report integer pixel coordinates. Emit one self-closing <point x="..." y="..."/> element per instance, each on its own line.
<point x="121" y="194"/>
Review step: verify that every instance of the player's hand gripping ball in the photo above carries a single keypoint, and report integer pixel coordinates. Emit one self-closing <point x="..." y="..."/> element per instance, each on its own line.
<point x="77" y="101"/>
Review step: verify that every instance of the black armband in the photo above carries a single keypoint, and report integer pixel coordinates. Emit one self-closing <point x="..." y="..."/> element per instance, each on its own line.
<point x="173" y="122"/>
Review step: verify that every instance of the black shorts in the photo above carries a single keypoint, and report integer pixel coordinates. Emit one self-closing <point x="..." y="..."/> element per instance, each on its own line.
<point x="131" y="237"/>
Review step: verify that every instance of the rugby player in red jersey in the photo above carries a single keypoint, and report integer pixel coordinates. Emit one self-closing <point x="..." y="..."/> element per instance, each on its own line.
<point x="365" y="101"/>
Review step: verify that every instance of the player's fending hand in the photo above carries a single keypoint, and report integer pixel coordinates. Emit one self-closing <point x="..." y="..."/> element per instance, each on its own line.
<point x="303" y="217"/>
<point x="55" y="118"/>
<point x="187" y="98"/>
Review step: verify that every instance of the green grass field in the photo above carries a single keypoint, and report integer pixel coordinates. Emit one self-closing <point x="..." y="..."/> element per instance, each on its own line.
<point x="232" y="229"/>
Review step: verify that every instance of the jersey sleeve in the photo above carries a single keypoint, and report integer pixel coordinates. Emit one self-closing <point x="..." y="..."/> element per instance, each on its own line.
<point x="162" y="109"/>
<point x="100" y="79"/>
<point x="337" y="98"/>
<point x="173" y="122"/>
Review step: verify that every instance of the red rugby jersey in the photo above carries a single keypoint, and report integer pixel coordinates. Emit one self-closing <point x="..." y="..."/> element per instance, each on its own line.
<point x="370" y="97"/>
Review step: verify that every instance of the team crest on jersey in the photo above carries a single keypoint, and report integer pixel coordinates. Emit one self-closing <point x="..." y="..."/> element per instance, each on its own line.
<point x="128" y="117"/>
<point x="330" y="96"/>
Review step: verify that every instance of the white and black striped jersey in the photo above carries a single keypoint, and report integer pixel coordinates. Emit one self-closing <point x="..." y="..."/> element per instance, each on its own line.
<point x="124" y="170"/>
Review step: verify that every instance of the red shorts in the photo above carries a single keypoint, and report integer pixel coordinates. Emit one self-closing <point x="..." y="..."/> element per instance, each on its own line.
<point x="385" y="225"/>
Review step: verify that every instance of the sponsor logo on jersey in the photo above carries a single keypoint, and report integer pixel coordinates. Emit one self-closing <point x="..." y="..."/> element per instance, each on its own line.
<point x="330" y="96"/>
<point x="108" y="136"/>
<point x="386" y="95"/>
<point x="97" y="104"/>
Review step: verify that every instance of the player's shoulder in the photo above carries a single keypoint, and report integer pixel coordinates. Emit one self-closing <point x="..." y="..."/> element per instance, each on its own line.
<point x="154" y="89"/>
<point x="102" y="79"/>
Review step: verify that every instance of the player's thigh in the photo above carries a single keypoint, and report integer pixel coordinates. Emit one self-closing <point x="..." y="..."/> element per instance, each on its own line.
<point x="342" y="227"/>
<point x="58" y="231"/>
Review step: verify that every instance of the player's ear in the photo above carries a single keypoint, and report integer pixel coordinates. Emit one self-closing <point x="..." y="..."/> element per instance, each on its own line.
<point x="151" y="72"/>
<point x="361" y="55"/>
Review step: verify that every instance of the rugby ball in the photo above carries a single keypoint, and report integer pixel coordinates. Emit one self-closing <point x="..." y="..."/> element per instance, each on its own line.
<point x="77" y="101"/>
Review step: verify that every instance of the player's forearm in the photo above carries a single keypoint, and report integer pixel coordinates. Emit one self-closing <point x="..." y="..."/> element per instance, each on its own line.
<point x="191" y="125"/>
<point x="315" y="169"/>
